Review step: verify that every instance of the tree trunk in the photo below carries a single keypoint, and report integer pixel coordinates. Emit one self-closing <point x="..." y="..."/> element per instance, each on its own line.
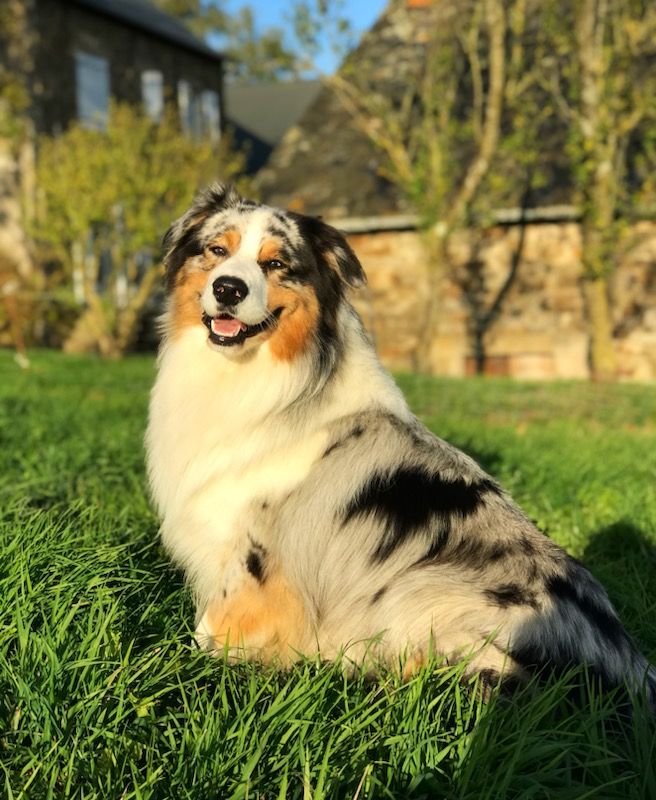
<point x="603" y="361"/>
<point x="129" y="318"/>
<point x="436" y="247"/>
<point x="600" y="190"/>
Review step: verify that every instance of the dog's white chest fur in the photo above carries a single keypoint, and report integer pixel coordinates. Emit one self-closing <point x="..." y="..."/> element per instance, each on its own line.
<point x="215" y="446"/>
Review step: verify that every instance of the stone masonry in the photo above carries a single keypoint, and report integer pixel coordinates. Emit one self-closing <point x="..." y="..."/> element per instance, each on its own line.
<point x="540" y="332"/>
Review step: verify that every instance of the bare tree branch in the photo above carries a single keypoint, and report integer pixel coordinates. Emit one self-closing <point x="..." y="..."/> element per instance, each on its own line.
<point x="496" y="23"/>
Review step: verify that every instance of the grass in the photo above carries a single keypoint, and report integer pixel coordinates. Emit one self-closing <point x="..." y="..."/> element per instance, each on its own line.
<point x="103" y="696"/>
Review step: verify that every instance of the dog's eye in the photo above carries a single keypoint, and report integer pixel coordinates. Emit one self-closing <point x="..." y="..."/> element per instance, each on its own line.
<point x="272" y="263"/>
<point x="217" y="250"/>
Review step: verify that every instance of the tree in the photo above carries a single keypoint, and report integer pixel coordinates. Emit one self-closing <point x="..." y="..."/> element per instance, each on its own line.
<point x="601" y="77"/>
<point x="252" y="54"/>
<point x="459" y="131"/>
<point x="274" y="53"/>
<point x="106" y="197"/>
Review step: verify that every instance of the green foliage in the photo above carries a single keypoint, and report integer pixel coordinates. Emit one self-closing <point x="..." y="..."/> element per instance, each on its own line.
<point x="103" y="696"/>
<point x="320" y="25"/>
<point x="276" y="53"/>
<point x="139" y="172"/>
<point x="602" y="82"/>
<point x="431" y="121"/>
<point x="602" y="85"/>
<point x="116" y="192"/>
<point x="256" y="55"/>
<point x="253" y="54"/>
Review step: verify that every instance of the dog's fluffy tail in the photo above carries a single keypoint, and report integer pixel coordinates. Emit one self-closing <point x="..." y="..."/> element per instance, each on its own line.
<point x="581" y="627"/>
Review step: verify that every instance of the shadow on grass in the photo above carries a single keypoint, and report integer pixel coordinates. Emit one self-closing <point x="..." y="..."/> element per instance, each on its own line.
<point x="556" y="742"/>
<point x="623" y="559"/>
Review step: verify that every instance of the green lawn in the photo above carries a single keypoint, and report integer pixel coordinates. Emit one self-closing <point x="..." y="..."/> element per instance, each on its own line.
<point x="102" y="694"/>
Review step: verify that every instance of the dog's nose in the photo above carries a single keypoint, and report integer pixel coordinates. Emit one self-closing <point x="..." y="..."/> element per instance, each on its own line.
<point x="229" y="290"/>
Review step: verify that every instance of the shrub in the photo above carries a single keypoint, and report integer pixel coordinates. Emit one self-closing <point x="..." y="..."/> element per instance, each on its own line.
<point x="104" y="200"/>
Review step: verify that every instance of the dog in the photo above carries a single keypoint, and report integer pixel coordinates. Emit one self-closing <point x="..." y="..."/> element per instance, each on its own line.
<point x="310" y="510"/>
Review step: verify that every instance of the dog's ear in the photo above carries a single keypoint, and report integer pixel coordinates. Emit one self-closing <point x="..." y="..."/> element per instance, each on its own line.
<point x="331" y="246"/>
<point x="181" y="240"/>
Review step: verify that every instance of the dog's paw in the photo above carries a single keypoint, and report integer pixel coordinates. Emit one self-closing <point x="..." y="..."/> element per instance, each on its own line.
<point x="203" y="635"/>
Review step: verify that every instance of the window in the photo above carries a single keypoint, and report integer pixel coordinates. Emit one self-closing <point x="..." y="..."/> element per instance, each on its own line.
<point x="92" y="88"/>
<point x="152" y="93"/>
<point x="211" y="114"/>
<point x="188" y="105"/>
<point x="200" y="112"/>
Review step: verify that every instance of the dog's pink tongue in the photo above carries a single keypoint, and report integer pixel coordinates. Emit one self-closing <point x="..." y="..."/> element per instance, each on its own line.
<point x="226" y="327"/>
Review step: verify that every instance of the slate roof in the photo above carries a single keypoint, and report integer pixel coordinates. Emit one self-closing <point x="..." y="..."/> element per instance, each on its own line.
<point x="267" y="110"/>
<point x="260" y="114"/>
<point x="147" y="17"/>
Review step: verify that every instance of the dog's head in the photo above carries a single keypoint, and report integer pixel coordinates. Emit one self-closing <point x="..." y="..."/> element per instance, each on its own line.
<point x="252" y="274"/>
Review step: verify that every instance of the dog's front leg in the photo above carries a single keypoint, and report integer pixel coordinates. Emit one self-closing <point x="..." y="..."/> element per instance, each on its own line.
<point x="262" y="617"/>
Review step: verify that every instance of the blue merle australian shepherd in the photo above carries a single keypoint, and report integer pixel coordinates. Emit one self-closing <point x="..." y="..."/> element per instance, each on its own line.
<point x="311" y="511"/>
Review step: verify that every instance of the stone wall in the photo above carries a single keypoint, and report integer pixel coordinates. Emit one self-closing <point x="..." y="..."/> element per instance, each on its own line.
<point x="540" y="331"/>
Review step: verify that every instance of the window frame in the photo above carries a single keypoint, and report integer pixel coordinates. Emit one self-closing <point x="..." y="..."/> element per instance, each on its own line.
<point x="92" y="89"/>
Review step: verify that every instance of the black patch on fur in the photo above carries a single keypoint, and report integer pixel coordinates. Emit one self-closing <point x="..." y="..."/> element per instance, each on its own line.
<point x="408" y="499"/>
<point x="378" y="595"/>
<point x="557" y="658"/>
<point x="564" y="590"/>
<point x="552" y="644"/>
<point x="356" y="433"/>
<point x="330" y="248"/>
<point x="187" y="247"/>
<point x="472" y="553"/>
<point x="255" y="565"/>
<point x="511" y="594"/>
<point x="526" y="545"/>
<point x="498" y="552"/>
<point x="329" y="346"/>
<point x="439" y="541"/>
<point x="281" y="231"/>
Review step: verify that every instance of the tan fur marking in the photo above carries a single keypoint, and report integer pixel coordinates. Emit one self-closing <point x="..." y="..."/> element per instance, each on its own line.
<point x="229" y="239"/>
<point x="269" y="250"/>
<point x="185" y="300"/>
<point x="265" y="620"/>
<point x="297" y="322"/>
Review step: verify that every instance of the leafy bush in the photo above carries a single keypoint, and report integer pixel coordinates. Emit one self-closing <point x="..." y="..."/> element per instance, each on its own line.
<point x="105" y="199"/>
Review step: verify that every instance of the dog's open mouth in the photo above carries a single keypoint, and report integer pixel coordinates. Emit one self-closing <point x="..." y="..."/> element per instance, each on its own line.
<point x="227" y="330"/>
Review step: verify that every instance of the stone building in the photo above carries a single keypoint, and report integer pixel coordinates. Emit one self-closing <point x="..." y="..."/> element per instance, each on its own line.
<point x="512" y="303"/>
